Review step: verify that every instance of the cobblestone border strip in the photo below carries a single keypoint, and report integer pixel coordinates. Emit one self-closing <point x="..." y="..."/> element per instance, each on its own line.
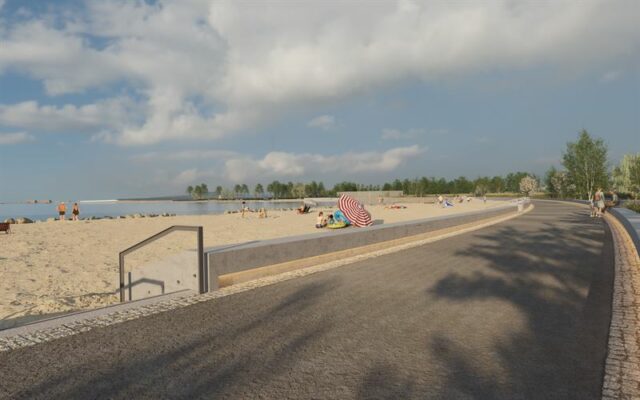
<point x="622" y="366"/>
<point x="45" y="335"/>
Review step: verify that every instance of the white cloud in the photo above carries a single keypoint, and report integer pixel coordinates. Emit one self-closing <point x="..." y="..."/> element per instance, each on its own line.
<point x="187" y="155"/>
<point x="186" y="177"/>
<point x="111" y="114"/>
<point x="283" y="165"/>
<point x="324" y="122"/>
<point x="204" y="69"/>
<point x="397" y="134"/>
<point x="15" y="137"/>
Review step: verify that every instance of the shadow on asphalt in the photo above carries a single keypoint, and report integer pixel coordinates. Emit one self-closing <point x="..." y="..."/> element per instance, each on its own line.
<point x="544" y="274"/>
<point x="188" y="366"/>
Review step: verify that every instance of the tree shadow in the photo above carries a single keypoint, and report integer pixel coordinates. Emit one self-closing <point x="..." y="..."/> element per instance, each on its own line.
<point x="201" y="363"/>
<point x="558" y="276"/>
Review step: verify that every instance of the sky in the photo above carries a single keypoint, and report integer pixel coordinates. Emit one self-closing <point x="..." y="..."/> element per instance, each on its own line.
<point x="120" y="98"/>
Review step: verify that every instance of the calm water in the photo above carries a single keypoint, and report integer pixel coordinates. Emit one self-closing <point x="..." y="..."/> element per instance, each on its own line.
<point x="113" y="209"/>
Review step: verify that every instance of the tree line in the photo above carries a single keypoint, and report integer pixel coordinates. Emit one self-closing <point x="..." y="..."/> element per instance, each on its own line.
<point x="584" y="162"/>
<point x="509" y="183"/>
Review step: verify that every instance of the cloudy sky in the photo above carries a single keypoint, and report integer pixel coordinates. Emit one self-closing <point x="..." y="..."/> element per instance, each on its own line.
<point x="115" y="98"/>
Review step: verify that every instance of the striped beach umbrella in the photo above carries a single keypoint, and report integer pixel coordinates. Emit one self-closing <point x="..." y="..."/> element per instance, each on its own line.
<point x="354" y="211"/>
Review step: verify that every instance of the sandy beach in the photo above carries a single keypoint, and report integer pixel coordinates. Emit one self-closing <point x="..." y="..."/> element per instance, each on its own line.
<point x="53" y="267"/>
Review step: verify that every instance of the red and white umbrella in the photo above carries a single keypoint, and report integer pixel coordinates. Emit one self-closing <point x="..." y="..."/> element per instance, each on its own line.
<point x="354" y="211"/>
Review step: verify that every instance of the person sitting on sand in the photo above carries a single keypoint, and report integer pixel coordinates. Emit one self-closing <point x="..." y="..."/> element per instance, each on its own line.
<point x="331" y="221"/>
<point x="62" y="210"/>
<point x="75" y="212"/>
<point x="303" y="209"/>
<point x="321" y="222"/>
<point x="263" y="213"/>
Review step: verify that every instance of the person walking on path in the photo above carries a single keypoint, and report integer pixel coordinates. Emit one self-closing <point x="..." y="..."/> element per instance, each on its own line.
<point x="599" y="200"/>
<point x="75" y="212"/>
<point x="62" y="210"/>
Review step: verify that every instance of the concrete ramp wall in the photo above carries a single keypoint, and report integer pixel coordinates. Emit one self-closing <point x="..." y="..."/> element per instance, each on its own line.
<point x="231" y="259"/>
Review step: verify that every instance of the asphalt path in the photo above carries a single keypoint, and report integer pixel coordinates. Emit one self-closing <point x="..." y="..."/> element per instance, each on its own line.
<point x="519" y="310"/>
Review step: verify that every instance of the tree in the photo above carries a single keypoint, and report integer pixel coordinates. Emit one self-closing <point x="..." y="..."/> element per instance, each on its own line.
<point x="244" y="189"/>
<point x="586" y="163"/>
<point x="276" y="189"/>
<point x="626" y="176"/>
<point x="298" y="190"/>
<point x="512" y="181"/>
<point x="190" y="190"/>
<point x="560" y="182"/>
<point x="548" y="181"/>
<point x="197" y="192"/>
<point x="259" y="190"/>
<point x="322" y="192"/>
<point x="204" y="190"/>
<point x="497" y="184"/>
<point x="226" y="193"/>
<point x="218" y="191"/>
<point x="237" y="190"/>
<point x="528" y="185"/>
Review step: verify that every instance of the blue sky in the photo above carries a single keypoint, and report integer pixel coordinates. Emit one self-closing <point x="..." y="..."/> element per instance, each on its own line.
<point x="106" y="99"/>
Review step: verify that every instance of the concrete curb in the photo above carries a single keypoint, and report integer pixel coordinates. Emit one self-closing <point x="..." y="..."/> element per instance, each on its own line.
<point x="622" y="365"/>
<point x="623" y="215"/>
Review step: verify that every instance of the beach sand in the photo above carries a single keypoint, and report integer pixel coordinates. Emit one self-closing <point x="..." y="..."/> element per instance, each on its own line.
<point x="54" y="267"/>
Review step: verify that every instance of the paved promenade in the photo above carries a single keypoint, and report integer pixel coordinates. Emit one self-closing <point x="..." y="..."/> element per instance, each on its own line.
<point x="519" y="310"/>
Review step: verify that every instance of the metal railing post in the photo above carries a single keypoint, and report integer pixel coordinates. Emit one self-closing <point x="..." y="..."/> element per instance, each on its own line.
<point x="201" y="267"/>
<point x="122" y="278"/>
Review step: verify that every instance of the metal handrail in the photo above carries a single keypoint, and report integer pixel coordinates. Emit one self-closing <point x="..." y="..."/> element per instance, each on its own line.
<point x="202" y="267"/>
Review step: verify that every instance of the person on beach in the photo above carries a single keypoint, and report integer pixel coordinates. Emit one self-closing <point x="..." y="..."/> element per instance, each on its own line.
<point x="263" y="213"/>
<point x="321" y="221"/>
<point x="75" y="212"/>
<point x="331" y="221"/>
<point x="244" y="208"/>
<point x="62" y="210"/>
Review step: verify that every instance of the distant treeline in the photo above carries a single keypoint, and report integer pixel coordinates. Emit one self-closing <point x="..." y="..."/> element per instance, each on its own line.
<point x="412" y="187"/>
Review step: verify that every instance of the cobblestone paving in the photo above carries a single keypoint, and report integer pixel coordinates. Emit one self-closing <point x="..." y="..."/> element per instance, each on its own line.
<point x="70" y="329"/>
<point x="622" y="369"/>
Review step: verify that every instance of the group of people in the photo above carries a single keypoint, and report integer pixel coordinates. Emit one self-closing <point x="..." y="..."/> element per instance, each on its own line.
<point x="598" y="205"/>
<point x="331" y="219"/>
<point x="62" y="211"/>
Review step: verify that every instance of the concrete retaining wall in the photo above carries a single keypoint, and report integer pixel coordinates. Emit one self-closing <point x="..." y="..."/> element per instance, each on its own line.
<point x="631" y="222"/>
<point x="236" y="258"/>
